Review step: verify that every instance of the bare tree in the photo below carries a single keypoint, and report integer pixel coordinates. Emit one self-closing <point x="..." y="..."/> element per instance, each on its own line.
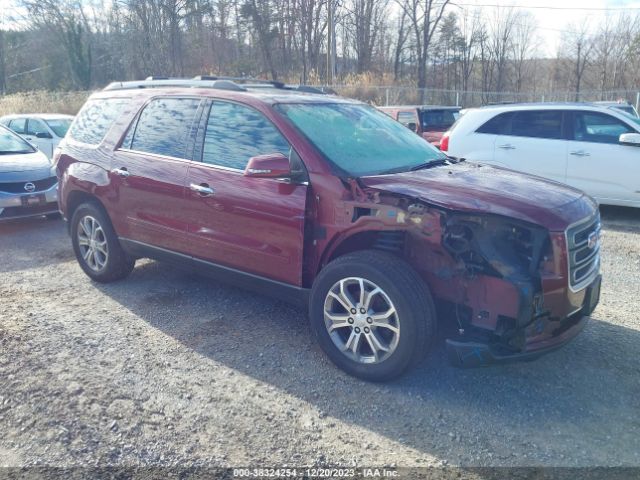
<point x="367" y="17"/>
<point x="524" y="45"/>
<point x="65" y="19"/>
<point x="424" y="17"/>
<point x="400" y="44"/>
<point x="578" y="45"/>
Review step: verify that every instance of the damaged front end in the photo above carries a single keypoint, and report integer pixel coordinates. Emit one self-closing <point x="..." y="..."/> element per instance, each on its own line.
<point x="500" y="264"/>
<point x="512" y="277"/>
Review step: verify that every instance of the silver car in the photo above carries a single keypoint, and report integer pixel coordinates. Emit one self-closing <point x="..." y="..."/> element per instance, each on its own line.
<point x="28" y="184"/>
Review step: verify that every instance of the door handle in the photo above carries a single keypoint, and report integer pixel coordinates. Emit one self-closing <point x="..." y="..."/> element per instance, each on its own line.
<point x="580" y="153"/>
<point x="121" y="172"/>
<point x="203" y="189"/>
<point x="507" y="146"/>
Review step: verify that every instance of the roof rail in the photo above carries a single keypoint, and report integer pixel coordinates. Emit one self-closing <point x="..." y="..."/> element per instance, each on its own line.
<point x="274" y="83"/>
<point x="155" y="82"/>
<point x="238" y="84"/>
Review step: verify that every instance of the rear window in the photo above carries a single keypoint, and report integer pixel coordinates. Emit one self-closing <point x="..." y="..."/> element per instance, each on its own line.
<point x="95" y="118"/>
<point x="439" y="118"/>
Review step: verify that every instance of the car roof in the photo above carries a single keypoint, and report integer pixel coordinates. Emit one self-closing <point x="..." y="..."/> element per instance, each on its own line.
<point x="545" y="106"/>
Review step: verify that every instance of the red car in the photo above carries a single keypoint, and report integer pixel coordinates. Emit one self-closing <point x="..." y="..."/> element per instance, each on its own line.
<point x="330" y="203"/>
<point x="428" y="121"/>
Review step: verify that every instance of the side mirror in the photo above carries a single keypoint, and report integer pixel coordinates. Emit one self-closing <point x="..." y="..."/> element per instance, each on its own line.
<point x="43" y="135"/>
<point x="632" y="139"/>
<point x="413" y="127"/>
<point x="272" y="165"/>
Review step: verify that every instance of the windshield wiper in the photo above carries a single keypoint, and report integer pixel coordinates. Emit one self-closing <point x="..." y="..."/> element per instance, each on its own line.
<point x="432" y="163"/>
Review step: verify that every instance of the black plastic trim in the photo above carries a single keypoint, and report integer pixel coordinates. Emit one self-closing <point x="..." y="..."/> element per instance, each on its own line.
<point x="273" y="288"/>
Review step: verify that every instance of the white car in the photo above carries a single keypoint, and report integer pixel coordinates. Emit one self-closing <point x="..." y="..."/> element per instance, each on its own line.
<point x="43" y="130"/>
<point x="595" y="149"/>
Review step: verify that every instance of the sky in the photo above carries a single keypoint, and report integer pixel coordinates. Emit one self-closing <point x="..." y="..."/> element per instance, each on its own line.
<point x="554" y="17"/>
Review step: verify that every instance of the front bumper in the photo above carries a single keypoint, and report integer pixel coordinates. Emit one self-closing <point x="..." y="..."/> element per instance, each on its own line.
<point x="467" y="354"/>
<point x="22" y="205"/>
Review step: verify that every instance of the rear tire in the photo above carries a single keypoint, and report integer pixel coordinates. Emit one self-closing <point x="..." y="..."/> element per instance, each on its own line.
<point x="372" y="314"/>
<point x="96" y="245"/>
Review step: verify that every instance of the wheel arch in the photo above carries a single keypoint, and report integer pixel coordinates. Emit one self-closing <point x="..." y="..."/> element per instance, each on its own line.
<point x="391" y="241"/>
<point x="75" y="198"/>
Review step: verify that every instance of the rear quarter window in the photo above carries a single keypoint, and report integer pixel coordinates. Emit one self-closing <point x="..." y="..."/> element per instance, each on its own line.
<point x="95" y="118"/>
<point x="498" y="125"/>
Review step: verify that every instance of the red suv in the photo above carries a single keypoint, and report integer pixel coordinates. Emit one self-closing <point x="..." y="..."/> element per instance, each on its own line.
<point x="328" y="202"/>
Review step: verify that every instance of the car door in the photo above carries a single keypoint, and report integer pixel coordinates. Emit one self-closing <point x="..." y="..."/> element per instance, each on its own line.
<point x="39" y="135"/>
<point x="254" y="225"/>
<point x="149" y="170"/>
<point x="598" y="163"/>
<point x="534" y="142"/>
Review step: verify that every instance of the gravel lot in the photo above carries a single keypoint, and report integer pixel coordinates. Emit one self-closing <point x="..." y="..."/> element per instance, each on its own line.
<point x="169" y="368"/>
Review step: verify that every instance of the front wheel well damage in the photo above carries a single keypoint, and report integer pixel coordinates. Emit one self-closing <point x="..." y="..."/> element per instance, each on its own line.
<point x="392" y="241"/>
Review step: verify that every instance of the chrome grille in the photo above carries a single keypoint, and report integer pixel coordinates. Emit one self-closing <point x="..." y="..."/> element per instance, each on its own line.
<point x="583" y="243"/>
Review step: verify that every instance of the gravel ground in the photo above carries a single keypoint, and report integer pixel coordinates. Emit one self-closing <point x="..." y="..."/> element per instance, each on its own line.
<point x="169" y="368"/>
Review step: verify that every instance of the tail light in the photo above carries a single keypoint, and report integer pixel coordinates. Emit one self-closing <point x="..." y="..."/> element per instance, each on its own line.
<point x="444" y="143"/>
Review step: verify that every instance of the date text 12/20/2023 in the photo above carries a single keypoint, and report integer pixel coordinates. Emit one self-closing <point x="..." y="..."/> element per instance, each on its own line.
<point x="315" y="472"/>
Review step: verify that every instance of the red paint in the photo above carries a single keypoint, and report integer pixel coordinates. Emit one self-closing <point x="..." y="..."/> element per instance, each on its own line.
<point x="288" y="232"/>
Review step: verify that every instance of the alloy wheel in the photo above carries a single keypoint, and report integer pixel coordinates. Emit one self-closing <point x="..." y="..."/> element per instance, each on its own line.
<point x="361" y="320"/>
<point x="92" y="243"/>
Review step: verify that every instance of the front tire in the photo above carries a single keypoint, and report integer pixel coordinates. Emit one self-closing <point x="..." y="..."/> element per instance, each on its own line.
<point x="372" y="314"/>
<point x="96" y="245"/>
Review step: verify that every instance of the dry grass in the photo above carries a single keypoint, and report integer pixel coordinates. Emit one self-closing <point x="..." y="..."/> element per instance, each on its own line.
<point x="43" y="102"/>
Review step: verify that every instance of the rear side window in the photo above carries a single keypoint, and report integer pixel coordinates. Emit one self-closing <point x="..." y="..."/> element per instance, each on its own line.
<point x="498" y="125"/>
<point x="95" y="118"/>
<point x="236" y="133"/>
<point x="164" y="127"/>
<point x="537" y="124"/>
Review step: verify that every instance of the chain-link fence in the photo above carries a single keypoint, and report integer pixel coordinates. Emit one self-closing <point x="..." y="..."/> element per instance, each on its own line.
<point x="395" y="95"/>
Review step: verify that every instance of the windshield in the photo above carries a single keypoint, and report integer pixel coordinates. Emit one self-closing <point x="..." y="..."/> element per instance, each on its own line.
<point x="59" y="125"/>
<point x="439" y="118"/>
<point x="359" y="139"/>
<point x="11" y="143"/>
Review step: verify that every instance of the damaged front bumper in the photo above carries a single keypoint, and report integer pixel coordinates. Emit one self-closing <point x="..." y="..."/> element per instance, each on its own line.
<point x="470" y="353"/>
